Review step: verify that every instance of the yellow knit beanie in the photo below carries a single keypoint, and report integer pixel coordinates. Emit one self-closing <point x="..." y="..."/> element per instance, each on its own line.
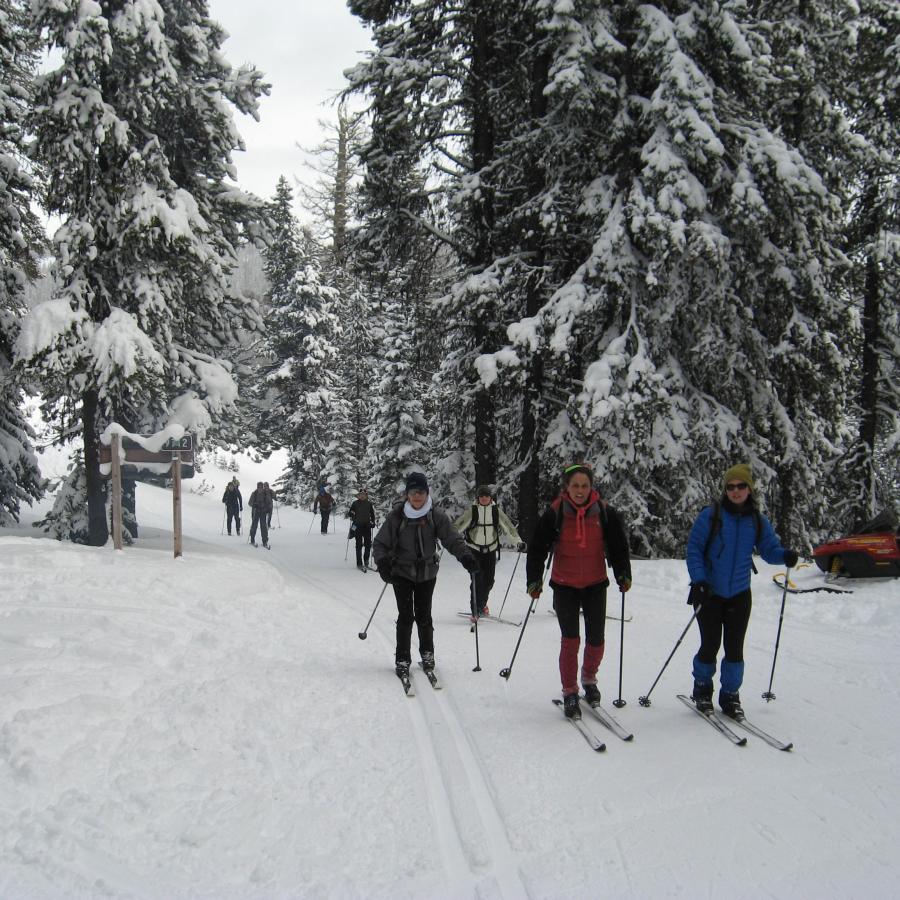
<point x="740" y="472"/>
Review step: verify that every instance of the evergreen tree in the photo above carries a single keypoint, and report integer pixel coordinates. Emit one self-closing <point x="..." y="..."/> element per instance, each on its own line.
<point x="870" y="89"/>
<point x="20" y="479"/>
<point x="136" y="130"/>
<point x="301" y="342"/>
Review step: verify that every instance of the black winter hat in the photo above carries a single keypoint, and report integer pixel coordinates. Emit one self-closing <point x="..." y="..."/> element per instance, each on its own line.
<point x="484" y="490"/>
<point x="416" y="481"/>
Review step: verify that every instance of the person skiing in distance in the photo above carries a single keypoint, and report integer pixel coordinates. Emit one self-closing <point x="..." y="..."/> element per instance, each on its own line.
<point x="482" y="527"/>
<point x="405" y="551"/>
<point x="234" y="504"/>
<point x="258" y="504"/>
<point x="582" y="531"/>
<point x="323" y="503"/>
<point x="719" y="560"/>
<point x="362" y="515"/>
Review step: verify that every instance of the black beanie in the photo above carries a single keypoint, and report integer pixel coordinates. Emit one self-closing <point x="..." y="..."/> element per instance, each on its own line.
<point x="484" y="490"/>
<point x="416" y="481"/>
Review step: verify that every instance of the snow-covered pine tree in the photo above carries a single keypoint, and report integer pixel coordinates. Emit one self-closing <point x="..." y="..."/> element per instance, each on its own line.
<point x="397" y="444"/>
<point x="301" y="333"/>
<point x="20" y="478"/>
<point x="136" y="129"/>
<point x="444" y="84"/>
<point x="868" y="82"/>
<point x="702" y="317"/>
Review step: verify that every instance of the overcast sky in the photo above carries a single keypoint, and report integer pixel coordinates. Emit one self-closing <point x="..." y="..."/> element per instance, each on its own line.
<point x="302" y="49"/>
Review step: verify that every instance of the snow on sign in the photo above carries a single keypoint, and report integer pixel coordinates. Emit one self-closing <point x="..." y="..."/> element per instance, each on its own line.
<point x="159" y="462"/>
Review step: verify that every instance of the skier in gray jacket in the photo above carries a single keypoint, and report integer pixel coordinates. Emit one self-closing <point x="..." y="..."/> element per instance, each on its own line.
<point x="405" y="551"/>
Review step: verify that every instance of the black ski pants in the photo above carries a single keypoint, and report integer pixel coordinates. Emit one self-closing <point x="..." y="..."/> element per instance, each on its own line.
<point x="234" y="515"/>
<point x="413" y="605"/>
<point x="570" y="601"/>
<point x="259" y="518"/>
<point x="326" y="514"/>
<point x="720" y="619"/>
<point x="363" y="539"/>
<point x="484" y="580"/>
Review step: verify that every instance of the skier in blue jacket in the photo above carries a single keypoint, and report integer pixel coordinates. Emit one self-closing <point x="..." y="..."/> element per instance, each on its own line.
<point x="719" y="560"/>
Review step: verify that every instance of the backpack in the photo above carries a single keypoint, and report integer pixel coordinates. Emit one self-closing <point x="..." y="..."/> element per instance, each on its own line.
<point x="495" y="514"/>
<point x="715" y="526"/>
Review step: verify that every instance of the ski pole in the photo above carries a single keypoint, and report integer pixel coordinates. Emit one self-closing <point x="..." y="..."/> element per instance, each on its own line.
<point x="313" y="519"/>
<point x="364" y="634"/>
<point x="224" y="514"/>
<point x="619" y="703"/>
<point x="645" y="700"/>
<point x="505" y="673"/>
<point x="347" y="548"/>
<point x="277" y="516"/>
<point x="518" y="556"/>
<point x="475" y="626"/>
<point x="768" y="695"/>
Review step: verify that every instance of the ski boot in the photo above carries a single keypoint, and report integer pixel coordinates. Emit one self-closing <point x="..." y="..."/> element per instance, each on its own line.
<point x="731" y="704"/>
<point x="592" y="694"/>
<point x="402" y="670"/>
<point x="428" y="660"/>
<point x="571" y="707"/>
<point x="702" y="697"/>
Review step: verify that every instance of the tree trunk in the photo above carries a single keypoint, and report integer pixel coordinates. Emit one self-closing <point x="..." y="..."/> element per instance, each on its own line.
<point x="868" y="391"/>
<point x="98" y="533"/>
<point x="483" y="153"/>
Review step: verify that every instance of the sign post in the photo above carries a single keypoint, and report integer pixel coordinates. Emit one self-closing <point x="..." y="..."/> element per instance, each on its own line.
<point x="116" y="492"/>
<point x="176" y="502"/>
<point x="177" y="453"/>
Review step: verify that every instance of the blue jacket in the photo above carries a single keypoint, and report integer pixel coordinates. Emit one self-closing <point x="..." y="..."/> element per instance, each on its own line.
<point x="728" y="564"/>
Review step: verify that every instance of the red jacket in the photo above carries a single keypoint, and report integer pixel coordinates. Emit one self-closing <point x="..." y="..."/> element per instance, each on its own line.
<point x="580" y="556"/>
<point x="579" y="544"/>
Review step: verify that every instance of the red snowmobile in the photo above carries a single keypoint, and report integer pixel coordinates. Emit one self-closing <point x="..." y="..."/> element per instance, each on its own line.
<point x="873" y="552"/>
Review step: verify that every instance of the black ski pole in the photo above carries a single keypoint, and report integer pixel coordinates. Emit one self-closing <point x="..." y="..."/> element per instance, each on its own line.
<point x="224" y="514"/>
<point x="475" y="626"/>
<point x="619" y="703"/>
<point x="364" y="634"/>
<point x="505" y="673"/>
<point x="518" y="555"/>
<point x="313" y="519"/>
<point x="768" y="695"/>
<point x="645" y="700"/>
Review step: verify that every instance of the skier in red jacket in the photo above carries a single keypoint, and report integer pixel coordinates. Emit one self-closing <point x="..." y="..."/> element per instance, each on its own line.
<point x="582" y="531"/>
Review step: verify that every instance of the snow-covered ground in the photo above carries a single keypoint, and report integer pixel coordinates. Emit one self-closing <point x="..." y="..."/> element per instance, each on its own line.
<point x="213" y="727"/>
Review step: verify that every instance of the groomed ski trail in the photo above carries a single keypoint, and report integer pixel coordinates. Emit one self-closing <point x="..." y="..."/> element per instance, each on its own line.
<point x="470" y="832"/>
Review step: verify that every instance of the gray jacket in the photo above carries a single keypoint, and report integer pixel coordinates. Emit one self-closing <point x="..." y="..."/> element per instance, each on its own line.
<point x="411" y="545"/>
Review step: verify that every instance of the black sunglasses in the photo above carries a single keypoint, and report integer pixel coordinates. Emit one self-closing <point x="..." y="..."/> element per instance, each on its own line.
<point x="737" y="486"/>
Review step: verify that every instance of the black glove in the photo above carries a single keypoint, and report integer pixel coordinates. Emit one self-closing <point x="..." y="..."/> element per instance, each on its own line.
<point x="624" y="583"/>
<point x="470" y="564"/>
<point x="700" y="593"/>
<point x="522" y="547"/>
<point x="385" y="570"/>
<point x="791" y="558"/>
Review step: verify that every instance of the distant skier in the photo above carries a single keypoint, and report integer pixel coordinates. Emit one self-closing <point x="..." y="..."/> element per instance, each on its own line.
<point x="259" y="506"/>
<point x="482" y="527"/>
<point x="719" y="560"/>
<point x="583" y="531"/>
<point x="323" y="503"/>
<point x="234" y="504"/>
<point x="362" y="515"/>
<point x="406" y="555"/>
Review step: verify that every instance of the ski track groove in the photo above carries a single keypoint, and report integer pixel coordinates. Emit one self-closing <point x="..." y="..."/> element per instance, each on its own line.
<point x="503" y="871"/>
